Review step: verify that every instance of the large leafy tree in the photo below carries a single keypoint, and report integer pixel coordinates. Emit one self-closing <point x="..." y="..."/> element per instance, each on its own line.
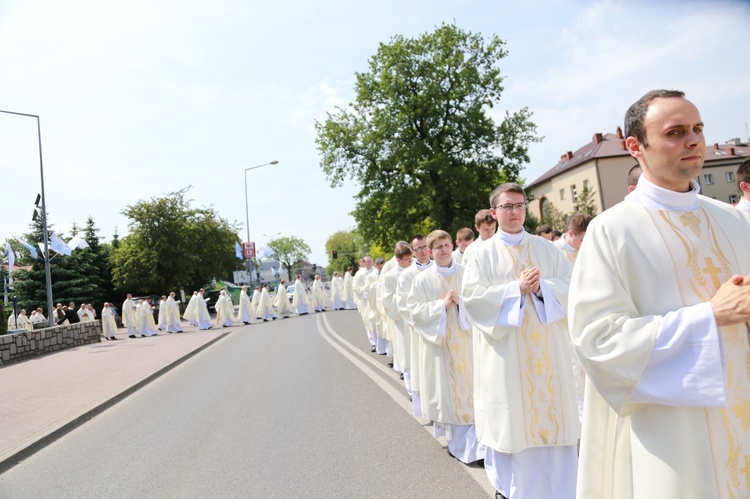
<point x="289" y="251"/>
<point x="173" y="246"/>
<point x="418" y="137"/>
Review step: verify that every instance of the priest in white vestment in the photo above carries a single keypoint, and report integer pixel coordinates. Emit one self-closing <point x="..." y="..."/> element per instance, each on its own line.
<point x="191" y="309"/>
<point x="389" y="303"/>
<point x="337" y="292"/>
<point x="659" y="316"/>
<point x="245" y="310"/>
<point x="464" y="237"/>
<point x="385" y="324"/>
<point x="515" y="289"/>
<point x="109" y="326"/>
<point x="202" y="316"/>
<point x="300" y="300"/>
<point x="224" y="310"/>
<point x="281" y="301"/>
<point x="348" y="290"/>
<point x="265" y="306"/>
<point x="421" y="261"/>
<point x="446" y="363"/>
<point x="129" y="319"/>
<point x="360" y="297"/>
<point x="255" y="302"/>
<point x="161" y="323"/>
<point x="318" y="294"/>
<point x="172" y="313"/>
<point x="372" y="320"/>
<point x="146" y="318"/>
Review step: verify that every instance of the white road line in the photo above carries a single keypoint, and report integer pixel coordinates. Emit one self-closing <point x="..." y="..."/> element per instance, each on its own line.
<point x="477" y="474"/>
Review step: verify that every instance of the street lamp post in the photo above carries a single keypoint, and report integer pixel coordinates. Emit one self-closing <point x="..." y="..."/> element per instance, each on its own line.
<point x="247" y="209"/>
<point x="47" y="271"/>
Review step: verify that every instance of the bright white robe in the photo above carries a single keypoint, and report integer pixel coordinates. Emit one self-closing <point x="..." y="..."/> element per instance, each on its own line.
<point x="172" y="314"/>
<point x="667" y="403"/>
<point x="281" y="302"/>
<point x="265" y="307"/>
<point x="318" y="296"/>
<point x="190" y="314"/>
<point x="146" y="319"/>
<point x="446" y="372"/>
<point x="403" y="287"/>
<point x="245" y="310"/>
<point x="38" y="318"/>
<point x="255" y="302"/>
<point x="457" y="256"/>
<point x="358" y="283"/>
<point x="400" y="328"/>
<point x="523" y="341"/>
<point x="370" y="290"/>
<point x="202" y="317"/>
<point x="337" y="293"/>
<point x="224" y="310"/>
<point x="85" y="315"/>
<point x="349" y="292"/>
<point x="569" y="251"/>
<point x="162" y="316"/>
<point x="744" y="204"/>
<point x="300" y="300"/>
<point x="109" y="326"/>
<point x="129" y="319"/>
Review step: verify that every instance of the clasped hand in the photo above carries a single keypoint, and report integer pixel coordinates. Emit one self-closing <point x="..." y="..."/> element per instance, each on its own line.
<point x="529" y="280"/>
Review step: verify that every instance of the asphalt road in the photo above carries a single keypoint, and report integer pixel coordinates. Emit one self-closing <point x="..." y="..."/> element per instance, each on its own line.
<point x="290" y="408"/>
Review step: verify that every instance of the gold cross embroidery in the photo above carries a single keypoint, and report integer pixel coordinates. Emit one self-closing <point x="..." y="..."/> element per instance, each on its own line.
<point x="712" y="271"/>
<point x="539" y="365"/>
<point x="746" y="471"/>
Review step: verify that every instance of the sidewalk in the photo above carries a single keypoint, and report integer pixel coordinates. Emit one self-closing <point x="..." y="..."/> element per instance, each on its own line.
<point x="44" y="398"/>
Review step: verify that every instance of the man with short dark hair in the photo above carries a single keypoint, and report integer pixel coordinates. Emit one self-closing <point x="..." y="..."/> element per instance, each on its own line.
<point x="515" y="289"/>
<point x="658" y="318"/>
<point x="571" y="241"/>
<point x="633" y="175"/>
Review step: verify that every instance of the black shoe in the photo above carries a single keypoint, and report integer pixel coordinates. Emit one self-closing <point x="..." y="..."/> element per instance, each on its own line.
<point x="372" y="349"/>
<point x="112" y="338"/>
<point x="303" y="313"/>
<point x="246" y="323"/>
<point x="498" y="495"/>
<point x="265" y="320"/>
<point x="131" y="336"/>
<point x="382" y="353"/>
<point x="390" y="364"/>
<point x="401" y="376"/>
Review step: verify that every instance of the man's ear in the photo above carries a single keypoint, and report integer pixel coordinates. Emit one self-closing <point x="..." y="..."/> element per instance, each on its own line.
<point x="634" y="147"/>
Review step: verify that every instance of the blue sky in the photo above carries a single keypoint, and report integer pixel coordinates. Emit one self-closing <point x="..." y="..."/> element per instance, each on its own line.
<point x="141" y="98"/>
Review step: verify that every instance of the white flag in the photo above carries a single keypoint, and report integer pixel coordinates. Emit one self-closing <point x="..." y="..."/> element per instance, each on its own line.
<point x="11" y="260"/>
<point x="58" y="245"/>
<point x="29" y="247"/>
<point x="77" y="243"/>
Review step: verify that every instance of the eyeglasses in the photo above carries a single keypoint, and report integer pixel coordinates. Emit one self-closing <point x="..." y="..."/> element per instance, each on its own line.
<point x="509" y="208"/>
<point x="419" y="248"/>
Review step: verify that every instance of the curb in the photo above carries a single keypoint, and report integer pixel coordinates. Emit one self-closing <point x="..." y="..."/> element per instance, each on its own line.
<point x="51" y="437"/>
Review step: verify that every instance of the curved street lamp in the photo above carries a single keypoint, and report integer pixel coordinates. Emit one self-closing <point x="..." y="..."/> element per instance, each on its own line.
<point x="47" y="271"/>
<point x="247" y="209"/>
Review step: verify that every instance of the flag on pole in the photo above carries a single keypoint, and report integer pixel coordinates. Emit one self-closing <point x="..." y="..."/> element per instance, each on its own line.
<point x="58" y="245"/>
<point x="238" y="250"/>
<point x="77" y="242"/>
<point x="29" y="247"/>
<point x="11" y="261"/>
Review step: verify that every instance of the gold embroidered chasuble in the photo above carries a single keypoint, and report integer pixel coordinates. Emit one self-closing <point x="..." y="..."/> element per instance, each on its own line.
<point x="524" y="388"/>
<point x="445" y="367"/>
<point x="657" y="262"/>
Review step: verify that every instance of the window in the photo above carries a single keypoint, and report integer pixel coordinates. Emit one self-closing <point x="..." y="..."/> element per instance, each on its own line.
<point x="586" y="185"/>
<point x="729" y="176"/>
<point x="562" y="194"/>
<point x="543" y="208"/>
<point x="733" y="199"/>
<point x="574" y="193"/>
<point x="708" y="179"/>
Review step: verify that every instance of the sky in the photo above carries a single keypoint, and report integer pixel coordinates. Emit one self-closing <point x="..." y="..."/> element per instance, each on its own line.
<point x="143" y="98"/>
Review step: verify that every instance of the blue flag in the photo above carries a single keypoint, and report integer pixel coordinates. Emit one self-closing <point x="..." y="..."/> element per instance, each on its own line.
<point x="238" y="250"/>
<point x="29" y="247"/>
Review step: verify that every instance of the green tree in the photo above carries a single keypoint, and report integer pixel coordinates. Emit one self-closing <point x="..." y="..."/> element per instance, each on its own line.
<point x="3" y="319"/>
<point x="418" y="138"/>
<point x="172" y="245"/>
<point x="289" y="250"/>
<point x="555" y="218"/>
<point x="587" y="202"/>
<point x="349" y="245"/>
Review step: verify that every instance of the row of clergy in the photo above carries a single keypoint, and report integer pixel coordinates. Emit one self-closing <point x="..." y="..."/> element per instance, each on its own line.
<point x="489" y="364"/>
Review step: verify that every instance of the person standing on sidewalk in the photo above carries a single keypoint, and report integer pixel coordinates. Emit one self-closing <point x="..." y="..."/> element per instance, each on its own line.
<point x="109" y="326"/>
